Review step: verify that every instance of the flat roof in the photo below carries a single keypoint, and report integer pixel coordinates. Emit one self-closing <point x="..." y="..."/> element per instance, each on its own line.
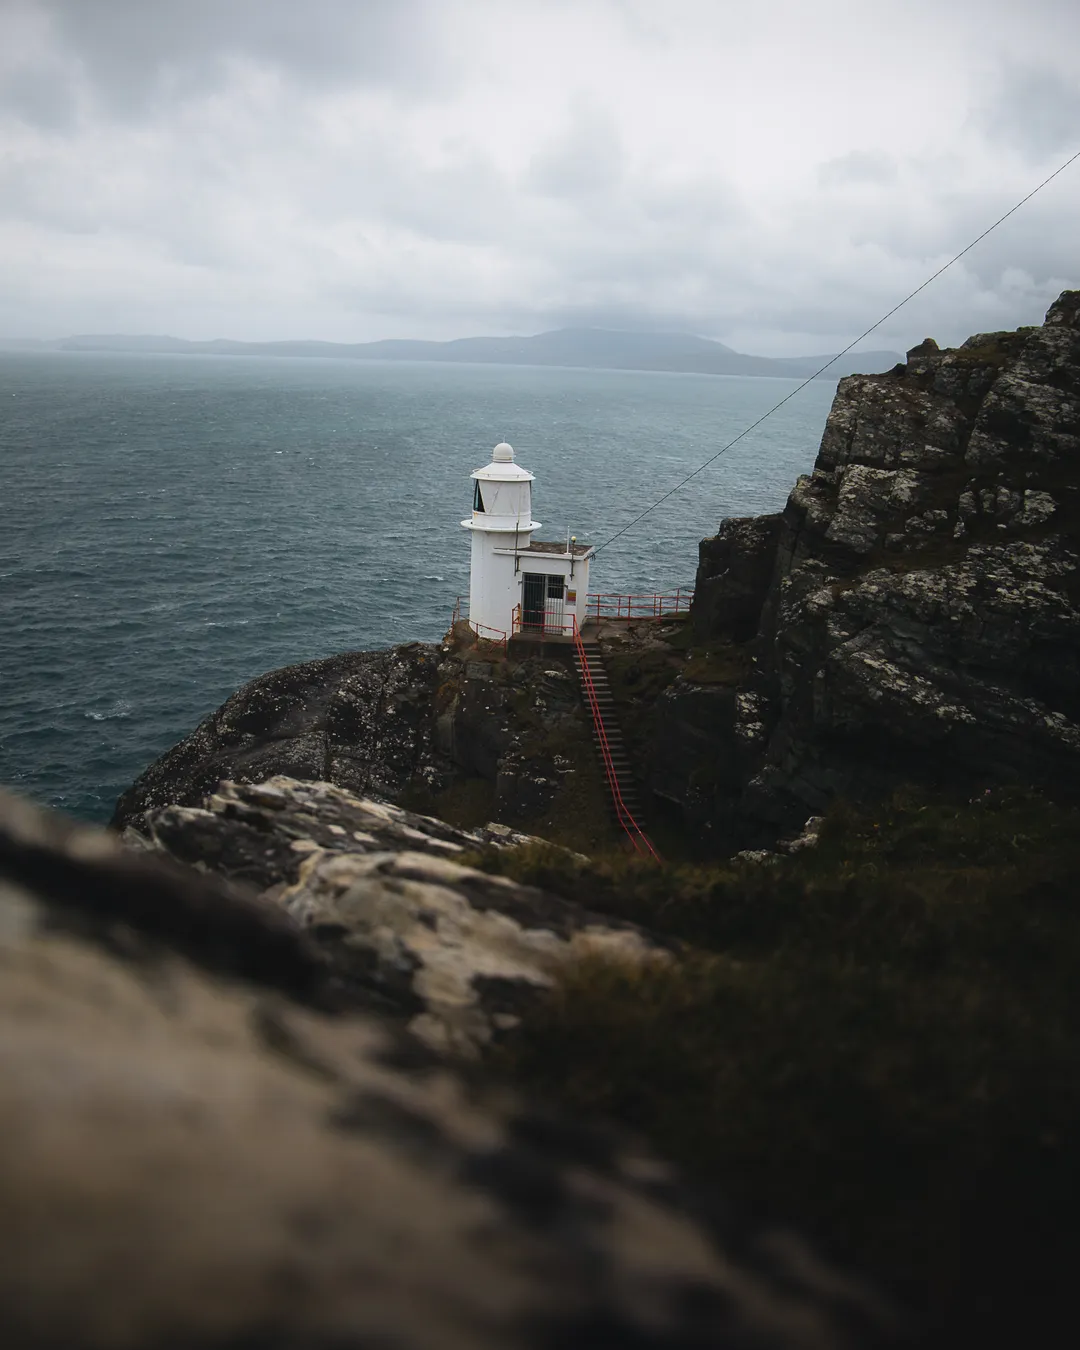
<point x="578" y="550"/>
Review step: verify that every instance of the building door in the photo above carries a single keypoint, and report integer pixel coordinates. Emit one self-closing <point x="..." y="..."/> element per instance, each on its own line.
<point x="533" y="598"/>
<point x="553" y="610"/>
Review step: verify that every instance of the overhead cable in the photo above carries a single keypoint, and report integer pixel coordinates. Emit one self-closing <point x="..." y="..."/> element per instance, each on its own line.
<point x="753" y="425"/>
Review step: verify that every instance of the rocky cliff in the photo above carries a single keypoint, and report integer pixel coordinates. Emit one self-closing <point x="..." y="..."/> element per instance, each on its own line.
<point x="454" y="729"/>
<point x="910" y="616"/>
<point x="912" y="613"/>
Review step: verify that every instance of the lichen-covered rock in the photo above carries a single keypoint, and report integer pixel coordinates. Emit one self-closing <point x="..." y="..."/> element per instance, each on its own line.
<point x="195" y="1155"/>
<point x="362" y="719"/>
<point x="411" y="722"/>
<point x="457" y="953"/>
<point x="921" y="622"/>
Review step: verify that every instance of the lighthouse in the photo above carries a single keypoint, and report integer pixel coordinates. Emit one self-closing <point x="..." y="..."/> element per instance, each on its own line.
<point x="518" y="584"/>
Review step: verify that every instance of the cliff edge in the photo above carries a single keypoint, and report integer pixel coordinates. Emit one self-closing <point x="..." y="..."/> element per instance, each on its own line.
<point x="911" y="615"/>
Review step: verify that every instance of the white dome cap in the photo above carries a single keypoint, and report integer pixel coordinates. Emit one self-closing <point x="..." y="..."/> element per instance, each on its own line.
<point x="502" y="454"/>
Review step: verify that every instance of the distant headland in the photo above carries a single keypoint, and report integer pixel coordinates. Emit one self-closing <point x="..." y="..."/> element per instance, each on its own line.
<point x="589" y="348"/>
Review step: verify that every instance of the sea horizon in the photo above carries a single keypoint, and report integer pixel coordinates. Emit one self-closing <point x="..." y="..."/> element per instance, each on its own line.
<point x="173" y="528"/>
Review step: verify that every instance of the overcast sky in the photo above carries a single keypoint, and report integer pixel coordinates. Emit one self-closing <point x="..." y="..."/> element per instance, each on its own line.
<point x="776" y="175"/>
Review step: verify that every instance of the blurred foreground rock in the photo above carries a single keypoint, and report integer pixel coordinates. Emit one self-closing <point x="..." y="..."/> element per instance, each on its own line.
<point x="199" y="1152"/>
<point x="404" y="927"/>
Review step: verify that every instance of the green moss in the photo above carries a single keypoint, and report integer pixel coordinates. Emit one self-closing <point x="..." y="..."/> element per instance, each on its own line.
<point x="994" y="353"/>
<point x="468" y="803"/>
<point x="876" y="1039"/>
<point x="580" y="817"/>
<point x="680" y="637"/>
<point x="717" y="663"/>
<point x="639" y="675"/>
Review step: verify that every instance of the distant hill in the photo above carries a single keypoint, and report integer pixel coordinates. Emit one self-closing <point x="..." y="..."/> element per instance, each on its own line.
<point x="595" y="348"/>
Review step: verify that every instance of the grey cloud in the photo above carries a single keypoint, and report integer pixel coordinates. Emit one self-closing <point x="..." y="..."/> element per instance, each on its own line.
<point x="40" y="95"/>
<point x="138" y="54"/>
<point x="42" y="195"/>
<point x="585" y="159"/>
<point x="858" y="166"/>
<point x="447" y="218"/>
<point x="1036" y="109"/>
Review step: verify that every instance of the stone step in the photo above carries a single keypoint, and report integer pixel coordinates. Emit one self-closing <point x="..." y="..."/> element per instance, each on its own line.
<point x="616" y="748"/>
<point x="602" y="703"/>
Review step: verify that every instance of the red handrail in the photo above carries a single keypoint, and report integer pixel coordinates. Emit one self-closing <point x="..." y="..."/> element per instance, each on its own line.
<point x="498" y="634"/>
<point x="613" y="606"/>
<point x="637" y="836"/>
<point x="544" y="628"/>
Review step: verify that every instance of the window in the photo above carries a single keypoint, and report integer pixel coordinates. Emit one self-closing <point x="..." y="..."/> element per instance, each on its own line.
<point x="477" y="500"/>
<point x="555" y="588"/>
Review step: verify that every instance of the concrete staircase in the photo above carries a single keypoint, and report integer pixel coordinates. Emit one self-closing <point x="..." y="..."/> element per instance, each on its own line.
<point x="628" y="788"/>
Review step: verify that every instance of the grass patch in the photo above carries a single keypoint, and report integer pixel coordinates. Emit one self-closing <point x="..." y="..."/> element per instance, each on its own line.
<point x="639" y="675"/>
<point x="579" y="818"/>
<point x="877" y="1039"/>
<point x="717" y="663"/>
<point x="468" y="803"/>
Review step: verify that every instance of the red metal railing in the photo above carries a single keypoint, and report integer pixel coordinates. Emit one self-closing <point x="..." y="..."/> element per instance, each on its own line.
<point x="637" y="836"/>
<point x="611" y="606"/>
<point x="482" y="630"/>
<point x="567" y="626"/>
<point x="640" y="606"/>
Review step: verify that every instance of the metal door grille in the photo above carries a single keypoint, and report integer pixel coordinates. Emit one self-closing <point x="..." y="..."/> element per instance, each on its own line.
<point x="553" y="609"/>
<point x="533" y="594"/>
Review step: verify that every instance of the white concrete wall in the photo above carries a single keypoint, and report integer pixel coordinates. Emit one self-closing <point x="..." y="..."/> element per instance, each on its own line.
<point x="552" y="565"/>
<point x="495" y="584"/>
<point x="494" y="589"/>
<point x="580" y="585"/>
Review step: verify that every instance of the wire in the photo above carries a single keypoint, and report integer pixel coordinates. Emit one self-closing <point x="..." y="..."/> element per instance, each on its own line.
<point x="798" y="388"/>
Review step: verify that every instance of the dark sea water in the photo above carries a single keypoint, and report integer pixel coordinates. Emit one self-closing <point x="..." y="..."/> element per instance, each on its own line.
<point x="172" y="526"/>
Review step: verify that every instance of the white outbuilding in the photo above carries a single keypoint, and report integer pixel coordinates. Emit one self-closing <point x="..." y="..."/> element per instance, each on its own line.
<point x="516" y="583"/>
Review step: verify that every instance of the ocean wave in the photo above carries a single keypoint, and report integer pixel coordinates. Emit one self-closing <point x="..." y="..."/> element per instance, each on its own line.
<point x="432" y="578"/>
<point x="121" y="708"/>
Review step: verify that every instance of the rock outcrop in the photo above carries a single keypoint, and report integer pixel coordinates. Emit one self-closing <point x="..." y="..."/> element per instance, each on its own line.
<point x="197" y="1153"/>
<point x="920" y="618"/>
<point x="734" y="572"/>
<point x="415" y="724"/>
<point x="402" y="926"/>
<point x="361" y="719"/>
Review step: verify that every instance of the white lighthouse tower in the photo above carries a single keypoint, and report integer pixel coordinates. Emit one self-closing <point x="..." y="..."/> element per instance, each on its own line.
<point x="516" y="583"/>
